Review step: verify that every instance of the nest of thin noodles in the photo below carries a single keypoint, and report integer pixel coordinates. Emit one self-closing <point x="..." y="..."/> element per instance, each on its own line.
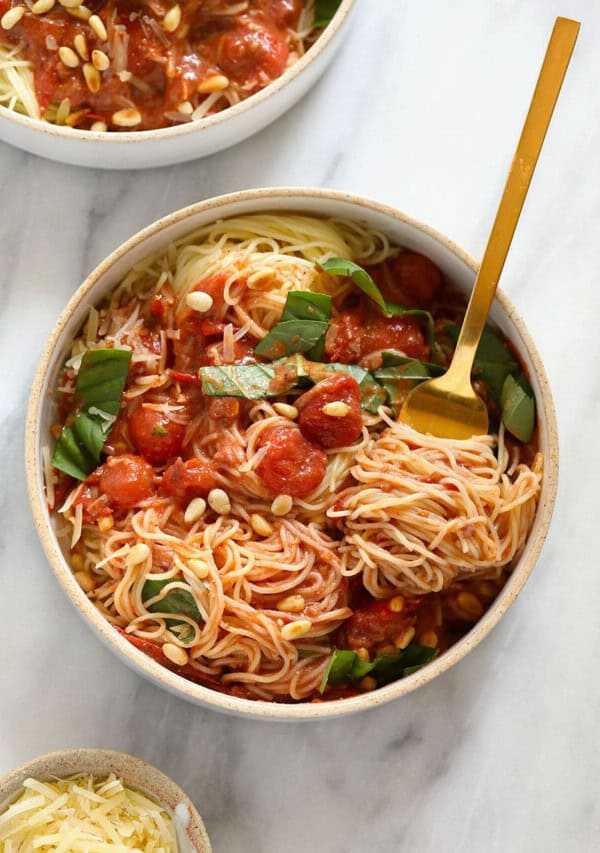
<point x="424" y="511"/>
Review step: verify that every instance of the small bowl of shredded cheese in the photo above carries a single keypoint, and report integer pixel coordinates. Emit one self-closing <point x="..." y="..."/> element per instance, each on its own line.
<point x="96" y="801"/>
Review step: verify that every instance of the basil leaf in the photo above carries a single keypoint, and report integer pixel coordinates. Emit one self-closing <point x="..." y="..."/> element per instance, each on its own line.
<point x="518" y="407"/>
<point x="324" y="11"/>
<point x="175" y="601"/>
<point x="399" y="381"/>
<point x="493" y="360"/>
<point x="393" y="359"/>
<point x="364" y="282"/>
<point x="302" y="328"/>
<point x="261" y="381"/>
<point x="346" y="666"/>
<point x="100" y="383"/>
<point x="249" y="381"/>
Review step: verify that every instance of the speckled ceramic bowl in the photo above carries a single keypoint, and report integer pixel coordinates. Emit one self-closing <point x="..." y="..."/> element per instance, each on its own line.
<point x="149" y="148"/>
<point x="134" y="772"/>
<point x="457" y="266"/>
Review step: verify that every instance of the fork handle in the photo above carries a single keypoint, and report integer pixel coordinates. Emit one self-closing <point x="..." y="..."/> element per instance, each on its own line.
<point x="556" y="62"/>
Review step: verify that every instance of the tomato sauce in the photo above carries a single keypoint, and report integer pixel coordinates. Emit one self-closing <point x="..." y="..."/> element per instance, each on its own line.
<point x="143" y="67"/>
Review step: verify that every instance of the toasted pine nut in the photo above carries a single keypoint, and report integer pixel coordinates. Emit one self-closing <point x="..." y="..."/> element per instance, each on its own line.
<point x="296" y="629"/>
<point x="175" y="654"/>
<point x="97" y="26"/>
<point x="194" y="510"/>
<point x="136" y="555"/>
<point x="12" y="17"/>
<point x="126" y="118"/>
<point x="99" y="127"/>
<point x="106" y="523"/>
<point x="282" y="505"/>
<point x="172" y="19"/>
<point x="292" y="604"/>
<point x="185" y="107"/>
<point x="68" y="56"/>
<point x="218" y="500"/>
<point x="199" y="568"/>
<point x="92" y="77"/>
<point x="260" y="525"/>
<point x="81" y="46"/>
<point x="216" y="83"/>
<point x="199" y="301"/>
<point x="100" y="60"/>
<point x="42" y="6"/>
<point x="286" y="411"/>
<point x="337" y="409"/>
<point x="367" y="683"/>
<point x="404" y="639"/>
<point x="363" y="654"/>
<point x="396" y="604"/>
<point x="70" y="4"/>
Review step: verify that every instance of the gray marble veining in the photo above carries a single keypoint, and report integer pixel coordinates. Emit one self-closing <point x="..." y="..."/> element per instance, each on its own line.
<point x="421" y="110"/>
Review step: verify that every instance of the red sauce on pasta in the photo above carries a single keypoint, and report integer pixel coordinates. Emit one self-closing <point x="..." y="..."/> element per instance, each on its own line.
<point x="142" y="66"/>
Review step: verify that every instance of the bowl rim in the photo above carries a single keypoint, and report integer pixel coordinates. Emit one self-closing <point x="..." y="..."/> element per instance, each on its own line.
<point x="222" y="701"/>
<point x="182" y="130"/>
<point x="132" y="770"/>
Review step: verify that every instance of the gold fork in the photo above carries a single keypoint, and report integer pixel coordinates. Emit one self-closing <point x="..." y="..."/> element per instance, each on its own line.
<point x="448" y="406"/>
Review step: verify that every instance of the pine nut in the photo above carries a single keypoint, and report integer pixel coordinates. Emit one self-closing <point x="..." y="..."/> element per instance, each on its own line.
<point x="429" y="638"/>
<point x="98" y="27"/>
<point x="62" y="113"/>
<point x="199" y="568"/>
<point x="296" y="629"/>
<point x="12" y="17"/>
<point x="363" y="654"/>
<point x="172" y="19"/>
<point x="403" y="640"/>
<point x="396" y="604"/>
<point x="286" y="411"/>
<point x="100" y="60"/>
<point x="216" y="83"/>
<point x="136" y="555"/>
<point x="175" y="654"/>
<point x="81" y="46"/>
<point x="99" y="127"/>
<point x="185" y="107"/>
<point x="126" y="118"/>
<point x="82" y="13"/>
<point x="367" y="683"/>
<point x="470" y="604"/>
<point x="68" y="57"/>
<point x="282" y="505"/>
<point x="337" y="409"/>
<point x="194" y="510"/>
<point x="42" y="6"/>
<point x="292" y="604"/>
<point x="218" y="500"/>
<point x="260" y="525"/>
<point x="92" y="77"/>
<point x="85" y="581"/>
<point x="199" y="301"/>
<point x="70" y="4"/>
<point x="106" y="523"/>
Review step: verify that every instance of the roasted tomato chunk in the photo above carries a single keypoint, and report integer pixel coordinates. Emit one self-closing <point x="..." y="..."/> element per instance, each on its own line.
<point x="359" y="332"/>
<point x="155" y="435"/>
<point x="193" y="478"/>
<point x="126" y="480"/>
<point x="416" y="280"/>
<point x="252" y="51"/>
<point x="331" y="430"/>
<point x="378" y="624"/>
<point x="291" y="465"/>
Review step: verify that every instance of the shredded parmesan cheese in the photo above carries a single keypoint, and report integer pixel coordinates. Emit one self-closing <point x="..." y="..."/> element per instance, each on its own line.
<point x="85" y="814"/>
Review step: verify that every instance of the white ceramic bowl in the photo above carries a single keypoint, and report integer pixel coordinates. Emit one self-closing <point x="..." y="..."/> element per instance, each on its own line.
<point x="149" y="148"/>
<point x="134" y="772"/>
<point x="403" y="231"/>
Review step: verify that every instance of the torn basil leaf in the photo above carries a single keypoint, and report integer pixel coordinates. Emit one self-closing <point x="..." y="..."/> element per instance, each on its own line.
<point x="364" y="282"/>
<point x="100" y="383"/>
<point x="518" y="407"/>
<point x="302" y="328"/>
<point x="493" y="360"/>
<point x="249" y="381"/>
<point x="394" y="359"/>
<point x="325" y="11"/>
<point x="345" y="666"/>
<point x="176" y="601"/>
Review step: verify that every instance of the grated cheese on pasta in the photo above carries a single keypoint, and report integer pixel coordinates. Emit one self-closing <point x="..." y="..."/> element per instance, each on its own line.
<point x="83" y="814"/>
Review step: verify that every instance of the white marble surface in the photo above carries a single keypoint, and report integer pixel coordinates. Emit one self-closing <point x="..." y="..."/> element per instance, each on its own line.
<point x="422" y="110"/>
